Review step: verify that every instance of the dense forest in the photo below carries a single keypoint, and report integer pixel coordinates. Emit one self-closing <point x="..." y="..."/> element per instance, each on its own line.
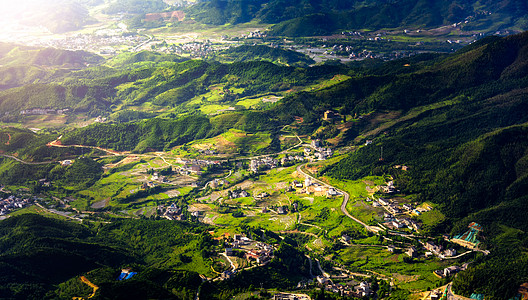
<point x="44" y="258"/>
<point x="265" y="53"/>
<point x="324" y="17"/>
<point x="168" y="81"/>
<point x="41" y="253"/>
<point x="467" y="153"/>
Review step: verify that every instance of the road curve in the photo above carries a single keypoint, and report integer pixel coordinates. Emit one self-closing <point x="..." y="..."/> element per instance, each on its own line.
<point x="27" y="162"/>
<point x="346" y="196"/>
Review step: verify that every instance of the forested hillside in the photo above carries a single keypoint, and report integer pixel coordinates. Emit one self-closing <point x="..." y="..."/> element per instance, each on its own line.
<point x="38" y="253"/>
<point x="457" y="122"/>
<point x="480" y="71"/>
<point x="466" y="152"/>
<point x="44" y="257"/>
<point x="161" y="81"/>
<point x="324" y="17"/>
<point x="265" y="53"/>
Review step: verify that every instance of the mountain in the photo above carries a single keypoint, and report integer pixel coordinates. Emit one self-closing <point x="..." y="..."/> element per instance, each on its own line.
<point x="39" y="253"/>
<point x="135" y="6"/>
<point x="57" y="16"/>
<point x="44" y="258"/>
<point x="457" y="122"/>
<point x="324" y="17"/>
<point x="20" y="65"/>
<point x="462" y="132"/>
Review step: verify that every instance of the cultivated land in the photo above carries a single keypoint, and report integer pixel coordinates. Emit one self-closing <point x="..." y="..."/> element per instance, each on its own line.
<point x="234" y="173"/>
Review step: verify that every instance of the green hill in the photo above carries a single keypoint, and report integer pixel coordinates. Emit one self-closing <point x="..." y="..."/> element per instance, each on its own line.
<point x="43" y="258"/>
<point x="22" y="65"/>
<point x="38" y="254"/>
<point x="465" y="141"/>
<point x="324" y="17"/>
<point x="57" y="17"/>
<point x="157" y="81"/>
<point x="264" y="53"/>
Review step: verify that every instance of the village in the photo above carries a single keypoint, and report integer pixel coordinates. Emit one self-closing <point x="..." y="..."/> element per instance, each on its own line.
<point x="12" y="203"/>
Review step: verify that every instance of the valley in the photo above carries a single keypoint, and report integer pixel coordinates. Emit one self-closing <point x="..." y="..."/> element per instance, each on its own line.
<point x="263" y="149"/>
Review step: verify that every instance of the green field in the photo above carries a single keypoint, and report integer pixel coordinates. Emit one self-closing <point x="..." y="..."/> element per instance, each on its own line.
<point x="235" y="141"/>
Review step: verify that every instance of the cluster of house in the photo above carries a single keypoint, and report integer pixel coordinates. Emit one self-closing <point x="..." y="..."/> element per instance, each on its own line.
<point x="318" y="152"/>
<point x="193" y="48"/>
<point x="43" y="111"/>
<point x="281" y="210"/>
<point x="101" y="42"/>
<point x="100" y="119"/>
<point x="215" y="183"/>
<point x="449" y="271"/>
<point x="262" y="255"/>
<point x="288" y="296"/>
<point x="351" y="289"/>
<point x="194" y="166"/>
<point x="397" y="223"/>
<point x="44" y="182"/>
<point x="173" y="212"/>
<point x="438" y="250"/>
<point x="257" y="34"/>
<point x="157" y="177"/>
<point x="233" y="194"/>
<point x="289" y="159"/>
<point x="310" y="187"/>
<point x="263" y="163"/>
<point x="389" y="188"/>
<point x="148" y="184"/>
<point x="207" y="152"/>
<point x="392" y="207"/>
<point x="432" y="249"/>
<point x="349" y="50"/>
<point x="259" y="252"/>
<point x="11" y="203"/>
<point x="351" y="33"/>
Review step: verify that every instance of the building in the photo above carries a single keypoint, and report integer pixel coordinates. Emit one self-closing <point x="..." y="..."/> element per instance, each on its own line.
<point x="316" y="144"/>
<point x="411" y="252"/>
<point x="346" y="238"/>
<point x="66" y="162"/>
<point x="397" y="224"/>
<point x="450" y="252"/>
<point x="432" y="247"/>
<point x="332" y="192"/>
<point x="469" y="238"/>
<point x="449" y="271"/>
<point x="363" y="289"/>
<point x="383" y="201"/>
<point x="329" y="115"/>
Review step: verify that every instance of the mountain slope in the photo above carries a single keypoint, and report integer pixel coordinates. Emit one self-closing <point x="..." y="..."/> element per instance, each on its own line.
<point x="465" y="141"/>
<point x="324" y="17"/>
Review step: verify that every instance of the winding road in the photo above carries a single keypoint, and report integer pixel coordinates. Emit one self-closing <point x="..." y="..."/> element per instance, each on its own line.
<point x="346" y="196"/>
<point x="27" y="162"/>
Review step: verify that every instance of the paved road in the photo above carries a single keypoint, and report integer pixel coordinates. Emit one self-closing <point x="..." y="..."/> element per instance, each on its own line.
<point x="346" y="196"/>
<point x="27" y="162"/>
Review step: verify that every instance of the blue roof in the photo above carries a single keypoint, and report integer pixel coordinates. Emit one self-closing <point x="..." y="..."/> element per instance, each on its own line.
<point x="477" y="296"/>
